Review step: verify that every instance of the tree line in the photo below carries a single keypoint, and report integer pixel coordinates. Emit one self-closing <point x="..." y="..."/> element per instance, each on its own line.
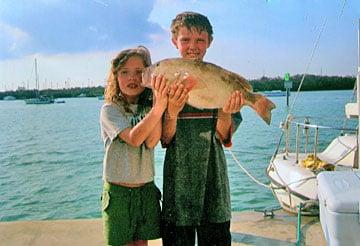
<point x="310" y="83"/>
<point x="58" y="93"/>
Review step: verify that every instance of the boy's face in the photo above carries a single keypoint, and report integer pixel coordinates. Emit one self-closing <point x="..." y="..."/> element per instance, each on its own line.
<point x="191" y="44"/>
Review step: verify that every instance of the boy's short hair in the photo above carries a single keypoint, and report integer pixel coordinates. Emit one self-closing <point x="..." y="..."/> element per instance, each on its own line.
<point x="191" y="20"/>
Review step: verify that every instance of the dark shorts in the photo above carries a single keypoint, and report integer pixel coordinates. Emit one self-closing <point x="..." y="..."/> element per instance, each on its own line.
<point x="208" y="234"/>
<point x="130" y="214"/>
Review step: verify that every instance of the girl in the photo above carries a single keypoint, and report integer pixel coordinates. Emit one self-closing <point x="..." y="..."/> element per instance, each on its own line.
<point x="130" y="129"/>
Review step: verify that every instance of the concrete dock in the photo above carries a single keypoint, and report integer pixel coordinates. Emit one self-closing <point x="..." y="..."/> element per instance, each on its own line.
<point x="247" y="228"/>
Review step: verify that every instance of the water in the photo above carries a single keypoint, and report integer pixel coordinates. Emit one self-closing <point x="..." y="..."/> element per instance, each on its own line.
<point x="51" y="155"/>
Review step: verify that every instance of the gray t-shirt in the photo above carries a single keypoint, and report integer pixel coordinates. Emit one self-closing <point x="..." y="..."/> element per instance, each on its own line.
<point x="123" y="162"/>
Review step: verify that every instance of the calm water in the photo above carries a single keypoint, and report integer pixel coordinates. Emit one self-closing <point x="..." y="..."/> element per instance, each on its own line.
<point x="51" y="155"/>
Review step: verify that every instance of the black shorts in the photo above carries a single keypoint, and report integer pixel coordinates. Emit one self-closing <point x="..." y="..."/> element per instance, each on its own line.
<point x="207" y="234"/>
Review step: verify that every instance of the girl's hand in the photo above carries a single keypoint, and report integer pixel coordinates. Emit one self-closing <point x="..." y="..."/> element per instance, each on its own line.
<point x="160" y="90"/>
<point x="234" y="103"/>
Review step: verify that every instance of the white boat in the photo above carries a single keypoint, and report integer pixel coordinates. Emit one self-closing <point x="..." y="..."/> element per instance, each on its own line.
<point x="59" y="101"/>
<point x="82" y="95"/>
<point x="9" y="98"/>
<point x="293" y="173"/>
<point x="339" y="192"/>
<point x="275" y="93"/>
<point x="38" y="99"/>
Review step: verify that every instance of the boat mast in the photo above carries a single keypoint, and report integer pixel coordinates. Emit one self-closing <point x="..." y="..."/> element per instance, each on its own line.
<point x="36" y="79"/>
<point x="358" y="97"/>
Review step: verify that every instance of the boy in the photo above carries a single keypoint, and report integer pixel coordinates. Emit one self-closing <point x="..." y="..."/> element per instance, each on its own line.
<point x="196" y="186"/>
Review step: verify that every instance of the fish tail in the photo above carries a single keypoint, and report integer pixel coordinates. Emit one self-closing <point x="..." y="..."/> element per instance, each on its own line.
<point x="263" y="107"/>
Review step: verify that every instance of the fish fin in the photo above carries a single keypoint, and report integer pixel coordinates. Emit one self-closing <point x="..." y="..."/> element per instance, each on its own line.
<point x="263" y="107"/>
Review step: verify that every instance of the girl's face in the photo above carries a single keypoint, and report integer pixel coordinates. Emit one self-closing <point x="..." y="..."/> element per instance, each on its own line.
<point x="129" y="78"/>
<point x="191" y="44"/>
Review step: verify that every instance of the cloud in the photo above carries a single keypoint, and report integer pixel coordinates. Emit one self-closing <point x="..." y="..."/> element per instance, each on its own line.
<point x="86" y="69"/>
<point x="77" y="39"/>
<point x="53" y="27"/>
<point x="12" y="39"/>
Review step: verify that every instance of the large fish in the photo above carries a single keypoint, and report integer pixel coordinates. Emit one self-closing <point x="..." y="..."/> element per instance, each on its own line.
<point x="211" y="85"/>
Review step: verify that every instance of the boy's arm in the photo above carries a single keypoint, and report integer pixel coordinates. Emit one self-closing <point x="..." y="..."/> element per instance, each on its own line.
<point x="224" y="126"/>
<point x="178" y="96"/>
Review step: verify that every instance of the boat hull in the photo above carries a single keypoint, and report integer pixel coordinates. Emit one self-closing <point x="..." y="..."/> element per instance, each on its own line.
<point x="39" y="101"/>
<point x="293" y="185"/>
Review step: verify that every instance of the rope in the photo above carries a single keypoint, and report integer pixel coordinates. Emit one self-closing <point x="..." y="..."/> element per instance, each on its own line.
<point x="342" y="10"/>
<point x="289" y="113"/>
<point x="312" y="55"/>
<point x="300" y="85"/>
<point x="246" y="172"/>
<point x="308" y="65"/>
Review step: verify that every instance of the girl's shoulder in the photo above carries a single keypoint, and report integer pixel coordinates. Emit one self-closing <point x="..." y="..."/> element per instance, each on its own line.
<point x="110" y="107"/>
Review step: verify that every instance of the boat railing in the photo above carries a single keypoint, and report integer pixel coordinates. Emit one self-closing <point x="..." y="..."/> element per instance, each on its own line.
<point x="304" y="123"/>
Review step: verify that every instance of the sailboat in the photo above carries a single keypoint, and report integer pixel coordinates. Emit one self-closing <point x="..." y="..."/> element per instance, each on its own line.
<point x="294" y="171"/>
<point x="293" y="174"/>
<point x="38" y="99"/>
<point x="339" y="191"/>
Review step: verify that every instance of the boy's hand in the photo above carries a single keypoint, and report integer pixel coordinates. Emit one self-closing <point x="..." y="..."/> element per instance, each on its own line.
<point x="234" y="103"/>
<point x="224" y="123"/>
<point x="178" y="95"/>
<point x="160" y="90"/>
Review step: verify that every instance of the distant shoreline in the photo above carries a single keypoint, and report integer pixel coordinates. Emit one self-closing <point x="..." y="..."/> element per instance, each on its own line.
<point x="311" y="83"/>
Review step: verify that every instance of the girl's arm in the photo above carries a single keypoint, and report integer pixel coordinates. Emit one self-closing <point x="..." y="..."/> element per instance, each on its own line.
<point x="140" y="132"/>
<point x="154" y="136"/>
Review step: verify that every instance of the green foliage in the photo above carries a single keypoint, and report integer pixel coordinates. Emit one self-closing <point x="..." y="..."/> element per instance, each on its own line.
<point x="311" y="83"/>
<point x="63" y="93"/>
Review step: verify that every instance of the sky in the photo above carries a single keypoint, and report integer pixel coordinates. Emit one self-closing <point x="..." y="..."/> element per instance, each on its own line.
<point x="75" y="40"/>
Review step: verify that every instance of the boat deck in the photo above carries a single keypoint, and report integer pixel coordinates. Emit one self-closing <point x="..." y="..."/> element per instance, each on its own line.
<point x="247" y="228"/>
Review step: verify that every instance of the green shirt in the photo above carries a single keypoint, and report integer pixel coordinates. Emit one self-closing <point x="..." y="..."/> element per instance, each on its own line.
<point x="196" y="184"/>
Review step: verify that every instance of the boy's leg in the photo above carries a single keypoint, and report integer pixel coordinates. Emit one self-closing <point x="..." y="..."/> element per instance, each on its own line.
<point x="173" y="235"/>
<point x="214" y="234"/>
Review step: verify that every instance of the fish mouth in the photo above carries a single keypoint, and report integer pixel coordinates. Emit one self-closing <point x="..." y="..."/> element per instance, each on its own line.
<point x="146" y="78"/>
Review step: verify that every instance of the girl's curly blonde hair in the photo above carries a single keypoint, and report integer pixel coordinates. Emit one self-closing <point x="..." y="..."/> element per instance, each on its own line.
<point x="112" y="91"/>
